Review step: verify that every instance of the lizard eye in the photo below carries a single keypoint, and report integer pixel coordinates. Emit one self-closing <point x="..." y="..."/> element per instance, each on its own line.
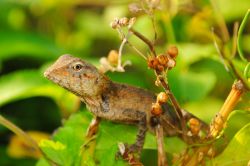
<point x="77" y="66"/>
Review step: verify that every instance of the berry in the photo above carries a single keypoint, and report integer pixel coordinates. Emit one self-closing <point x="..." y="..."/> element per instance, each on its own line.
<point x="172" y="51"/>
<point x="162" y="97"/>
<point x="156" y="109"/>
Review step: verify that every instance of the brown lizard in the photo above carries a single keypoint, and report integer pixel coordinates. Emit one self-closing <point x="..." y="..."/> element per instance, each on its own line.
<point x="114" y="101"/>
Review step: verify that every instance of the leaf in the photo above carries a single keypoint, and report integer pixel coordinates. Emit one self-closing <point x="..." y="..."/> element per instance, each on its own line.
<point x="191" y="86"/>
<point x="27" y="44"/>
<point x="72" y="136"/>
<point x="66" y="145"/>
<point x="232" y="10"/>
<point x="55" y="151"/>
<point x="237" y="120"/>
<point x="238" y="151"/>
<point x="29" y="83"/>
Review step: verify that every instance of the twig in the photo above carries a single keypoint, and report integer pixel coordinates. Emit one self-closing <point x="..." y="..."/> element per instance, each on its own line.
<point x="237" y="73"/>
<point x="160" y="143"/>
<point x="136" y="50"/>
<point x="162" y="80"/>
<point x="19" y="132"/>
<point x="221" y="22"/>
<point x="242" y="26"/>
<point x="235" y="37"/>
<point x="144" y="39"/>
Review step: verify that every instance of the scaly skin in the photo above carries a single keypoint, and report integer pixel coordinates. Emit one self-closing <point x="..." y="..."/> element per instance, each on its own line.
<point x="113" y="101"/>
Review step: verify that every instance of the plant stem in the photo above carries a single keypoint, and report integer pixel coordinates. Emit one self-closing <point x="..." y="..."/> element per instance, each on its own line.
<point x="232" y="99"/>
<point x="145" y="40"/>
<point x="19" y="132"/>
<point x="162" y="80"/>
<point x="242" y="26"/>
<point x="160" y="143"/>
<point x="171" y="96"/>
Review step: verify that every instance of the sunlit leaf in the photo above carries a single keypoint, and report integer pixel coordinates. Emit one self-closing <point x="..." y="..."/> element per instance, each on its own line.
<point x="237" y="152"/>
<point x="30" y="83"/>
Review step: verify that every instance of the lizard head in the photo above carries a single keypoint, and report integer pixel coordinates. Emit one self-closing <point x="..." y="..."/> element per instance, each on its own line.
<point x="77" y="76"/>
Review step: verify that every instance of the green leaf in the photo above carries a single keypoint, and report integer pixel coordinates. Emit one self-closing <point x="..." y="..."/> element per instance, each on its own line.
<point x="29" y="83"/>
<point x="14" y="44"/>
<point x="72" y="136"/>
<point x="55" y="151"/>
<point x="191" y="86"/>
<point x="66" y="145"/>
<point x="233" y="10"/>
<point x="238" y="151"/>
<point x="237" y="120"/>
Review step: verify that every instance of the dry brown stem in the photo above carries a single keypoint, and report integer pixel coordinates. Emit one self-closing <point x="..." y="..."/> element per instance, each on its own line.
<point x="160" y="143"/>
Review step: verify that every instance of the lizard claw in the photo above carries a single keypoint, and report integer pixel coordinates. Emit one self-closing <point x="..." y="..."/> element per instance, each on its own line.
<point x="129" y="153"/>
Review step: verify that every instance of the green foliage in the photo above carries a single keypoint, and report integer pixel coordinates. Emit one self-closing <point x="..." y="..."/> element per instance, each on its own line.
<point x="34" y="33"/>
<point x="237" y="152"/>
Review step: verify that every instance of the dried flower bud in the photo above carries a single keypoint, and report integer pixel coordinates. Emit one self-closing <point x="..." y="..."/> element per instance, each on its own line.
<point x="162" y="97"/>
<point x="115" y="23"/>
<point x="194" y="126"/>
<point x="113" y="57"/>
<point x="153" y="62"/>
<point x="123" y="21"/>
<point x="157" y="82"/>
<point x="160" y="68"/>
<point x="163" y="59"/>
<point x="156" y="109"/>
<point x="153" y="3"/>
<point x="134" y="8"/>
<point x="172" y="51"/>
<point x="131" y="22"/>
<point x="171" y="63"/>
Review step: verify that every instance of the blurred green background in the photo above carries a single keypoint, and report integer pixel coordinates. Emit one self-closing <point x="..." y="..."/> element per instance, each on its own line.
<point x="34" y="33"/>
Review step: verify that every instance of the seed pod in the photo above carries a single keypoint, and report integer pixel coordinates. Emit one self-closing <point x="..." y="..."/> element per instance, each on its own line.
<point x="153" y="62"/>
<point x="160" y="68"/>
<point x="131" y="22"/>
<point x="162" y="97"/>
<point x="172" y="51"/>
<point x="156" y="109"/>
<point x="171" y="63"/>
<point x="113" y="57"/>
<point x="194" y="126"/>
<point x="163" y="60"/>
<point x="115" y="23"/>
<point x="123" y="21"/>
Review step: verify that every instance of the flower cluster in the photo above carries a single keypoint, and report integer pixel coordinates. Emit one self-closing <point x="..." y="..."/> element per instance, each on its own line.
<point x="163" y="61"/>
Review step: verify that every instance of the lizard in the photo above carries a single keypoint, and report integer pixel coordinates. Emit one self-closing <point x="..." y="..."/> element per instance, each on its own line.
<point x="113" y="101"/>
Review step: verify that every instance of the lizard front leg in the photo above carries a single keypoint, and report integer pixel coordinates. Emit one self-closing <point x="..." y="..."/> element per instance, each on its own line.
<point x="140" y="138"/>
<point x="93" y="127"/>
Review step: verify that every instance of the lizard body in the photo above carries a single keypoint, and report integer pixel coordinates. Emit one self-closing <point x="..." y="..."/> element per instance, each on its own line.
<point x="112" y="101"/>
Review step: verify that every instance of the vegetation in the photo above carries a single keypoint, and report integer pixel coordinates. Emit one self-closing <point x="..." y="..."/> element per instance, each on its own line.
<point x="213" y="42"/>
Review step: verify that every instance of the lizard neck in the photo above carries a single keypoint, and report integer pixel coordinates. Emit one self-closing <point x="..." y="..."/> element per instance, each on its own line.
<point x="98" y="103"/>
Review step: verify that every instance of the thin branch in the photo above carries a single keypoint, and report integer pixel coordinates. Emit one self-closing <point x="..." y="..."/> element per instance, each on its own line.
<point x="162" y="161"/>
<point x="19" y="132"/>
<point x="136" y="50"/>
<point x="162" y="80"/>
<point x="241" y="29"/>
<point x="145" y="40"/>
<point x="235" y="37"/>
<point x="221" y="22"/>
<point x="237" y="73"/>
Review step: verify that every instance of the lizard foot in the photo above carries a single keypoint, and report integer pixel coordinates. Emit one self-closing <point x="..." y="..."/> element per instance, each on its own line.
<point x="130" y="153"/>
